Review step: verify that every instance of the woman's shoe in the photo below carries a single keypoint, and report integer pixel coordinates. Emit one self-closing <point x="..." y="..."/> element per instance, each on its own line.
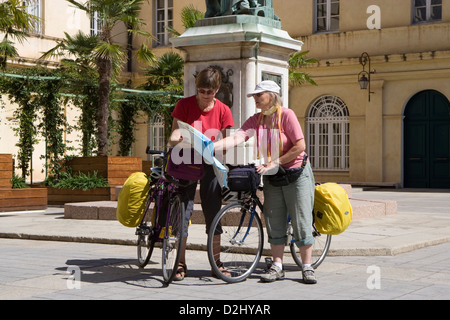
<point x="308" y="275"/>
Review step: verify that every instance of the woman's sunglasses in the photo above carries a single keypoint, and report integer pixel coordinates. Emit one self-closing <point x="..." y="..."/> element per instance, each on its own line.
<point x="207" y="92"/>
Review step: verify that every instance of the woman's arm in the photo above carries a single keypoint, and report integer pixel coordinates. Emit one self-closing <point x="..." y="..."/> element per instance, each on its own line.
<point x="298" y="147"/>
<point x="176" y="137"/>
<point x="228" y="142"/>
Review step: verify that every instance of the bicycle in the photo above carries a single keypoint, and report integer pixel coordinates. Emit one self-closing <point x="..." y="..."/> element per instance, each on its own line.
<point x="242" y="238"/>
<point x="162" y="222"/>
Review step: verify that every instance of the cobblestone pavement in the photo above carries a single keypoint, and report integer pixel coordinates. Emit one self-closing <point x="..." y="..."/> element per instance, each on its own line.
<point x="31" y="269"/>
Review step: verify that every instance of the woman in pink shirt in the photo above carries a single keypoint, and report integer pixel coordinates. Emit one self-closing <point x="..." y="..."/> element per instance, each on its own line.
<point x="280" y="141"/>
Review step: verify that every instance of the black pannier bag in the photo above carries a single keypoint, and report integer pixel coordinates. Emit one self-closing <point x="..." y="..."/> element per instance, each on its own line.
<point x="243" y="178"/>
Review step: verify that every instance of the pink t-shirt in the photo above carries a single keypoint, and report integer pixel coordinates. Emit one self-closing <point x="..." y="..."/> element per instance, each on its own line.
<point x="210" y="122"/>
<point x="290" y="133"/>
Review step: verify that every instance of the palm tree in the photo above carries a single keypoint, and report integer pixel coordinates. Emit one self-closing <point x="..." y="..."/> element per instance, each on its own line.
<point x="110" y="56"/>
<point x="166" y="74"/>
<point x="15" y="22"/>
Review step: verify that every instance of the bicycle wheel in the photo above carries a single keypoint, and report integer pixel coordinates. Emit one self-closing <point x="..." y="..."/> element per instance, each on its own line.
<point x="173" y="239"/>
<point x="146" y="239"/>
<point x="241" y="241"/>
<point x="320" y="248"/>
<point x="145" y="244"/>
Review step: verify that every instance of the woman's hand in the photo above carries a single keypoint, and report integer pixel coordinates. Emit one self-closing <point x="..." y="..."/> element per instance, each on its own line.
<point x="268" y="168"/>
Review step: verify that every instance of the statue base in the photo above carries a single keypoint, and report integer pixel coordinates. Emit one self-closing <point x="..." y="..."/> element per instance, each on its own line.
<point x="242" y="18"/>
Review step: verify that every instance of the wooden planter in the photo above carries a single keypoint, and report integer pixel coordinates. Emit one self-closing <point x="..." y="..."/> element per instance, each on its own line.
<point x="18" y="199"/>
<point x="6" y="170"/>
<point x="115" y="169"/>
<point x="147" y="166"/>
<point x="62" y="196"/>
<point x="23" y="199"/>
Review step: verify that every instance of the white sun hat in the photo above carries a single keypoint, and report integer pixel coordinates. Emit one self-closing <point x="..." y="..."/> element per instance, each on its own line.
<point x="266" y="85"/>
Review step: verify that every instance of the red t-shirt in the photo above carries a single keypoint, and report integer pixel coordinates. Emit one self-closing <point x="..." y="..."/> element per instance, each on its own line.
<point x="210" y="122"/>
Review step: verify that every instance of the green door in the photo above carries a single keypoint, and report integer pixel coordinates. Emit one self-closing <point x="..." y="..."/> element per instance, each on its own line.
<point x="427" y="141"/>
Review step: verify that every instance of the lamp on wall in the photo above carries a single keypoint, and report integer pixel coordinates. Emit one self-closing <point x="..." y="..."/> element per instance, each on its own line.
<point x="364" y="76"/>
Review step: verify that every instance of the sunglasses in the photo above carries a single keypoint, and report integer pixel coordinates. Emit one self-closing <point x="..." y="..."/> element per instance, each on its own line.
<point x="207" y="92"/>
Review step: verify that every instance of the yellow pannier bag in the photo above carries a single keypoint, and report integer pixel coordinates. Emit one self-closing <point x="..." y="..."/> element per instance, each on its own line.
<point x="332" y="209"/>
<point x="131" y="202"/>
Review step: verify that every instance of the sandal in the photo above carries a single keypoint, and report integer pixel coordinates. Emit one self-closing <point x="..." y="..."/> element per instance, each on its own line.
<point x="222" y="269"/>
<point x="181" y="272"/>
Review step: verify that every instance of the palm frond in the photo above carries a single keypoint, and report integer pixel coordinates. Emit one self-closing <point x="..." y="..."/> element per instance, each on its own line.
<point x="109" y="51"/>
<point x="297" y="61"/>
<point x="189" y="15"/>
<point x="145" y="54"/>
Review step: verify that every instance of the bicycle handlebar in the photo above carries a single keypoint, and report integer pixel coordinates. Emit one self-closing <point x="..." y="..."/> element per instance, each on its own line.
<point x="157" y="152"/>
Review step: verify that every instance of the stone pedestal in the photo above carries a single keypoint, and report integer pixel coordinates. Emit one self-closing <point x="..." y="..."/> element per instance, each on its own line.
<point x="248" y="49"/>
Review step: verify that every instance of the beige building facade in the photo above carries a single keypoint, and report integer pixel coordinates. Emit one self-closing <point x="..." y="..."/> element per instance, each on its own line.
<point x="56" y="17"/>
<point x="401" y="137"/>
<point x="399" y="134"/>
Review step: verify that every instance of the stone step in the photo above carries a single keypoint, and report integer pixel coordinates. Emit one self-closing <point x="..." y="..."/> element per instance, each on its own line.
<point x="347" y="187"/>
<point x="106" y="210"/>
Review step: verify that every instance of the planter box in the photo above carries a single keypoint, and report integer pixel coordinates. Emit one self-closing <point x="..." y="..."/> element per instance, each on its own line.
<point x="6" y="170"/>
<point x="147" y="165"/>
<point x="23" y="199"/>
<point x="115" y="169"/>
<point x="62" y="196"/>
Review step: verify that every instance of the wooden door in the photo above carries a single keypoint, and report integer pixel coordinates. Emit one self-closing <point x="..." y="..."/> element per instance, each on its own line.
<point x="427" y="141"/>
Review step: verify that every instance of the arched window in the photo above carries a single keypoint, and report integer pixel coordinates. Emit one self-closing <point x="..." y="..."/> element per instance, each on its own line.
<point x="328" y="133"/>
<point x="156" y="134"/>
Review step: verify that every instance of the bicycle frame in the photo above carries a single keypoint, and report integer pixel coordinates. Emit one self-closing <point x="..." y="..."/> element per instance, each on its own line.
<point x="165" y="222"/>
<point x="162" y="188"/>
<point x="255" y="202"/>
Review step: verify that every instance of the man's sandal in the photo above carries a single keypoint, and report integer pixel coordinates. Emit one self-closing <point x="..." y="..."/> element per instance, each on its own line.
<point x="181" y="272"/>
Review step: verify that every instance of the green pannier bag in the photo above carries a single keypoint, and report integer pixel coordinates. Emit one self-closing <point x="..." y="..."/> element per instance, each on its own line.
<point x="131" y="202"/>
<point x="332" y="209"/>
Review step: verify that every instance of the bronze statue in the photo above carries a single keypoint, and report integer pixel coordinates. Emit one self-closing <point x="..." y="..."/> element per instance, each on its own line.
<point x="215" y="8"/>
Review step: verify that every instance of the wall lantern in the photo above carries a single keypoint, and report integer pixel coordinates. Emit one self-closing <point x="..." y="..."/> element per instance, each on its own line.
<point x="364" y="76"/>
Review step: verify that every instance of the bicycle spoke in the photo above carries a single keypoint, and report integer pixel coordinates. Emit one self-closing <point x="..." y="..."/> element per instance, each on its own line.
<point x="173" y="241"/>
<point x="320" y="248"/>
<point x="241" y="241"/>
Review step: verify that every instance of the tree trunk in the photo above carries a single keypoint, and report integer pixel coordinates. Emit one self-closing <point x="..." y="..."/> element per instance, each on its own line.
<point x="105" y="70"/>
